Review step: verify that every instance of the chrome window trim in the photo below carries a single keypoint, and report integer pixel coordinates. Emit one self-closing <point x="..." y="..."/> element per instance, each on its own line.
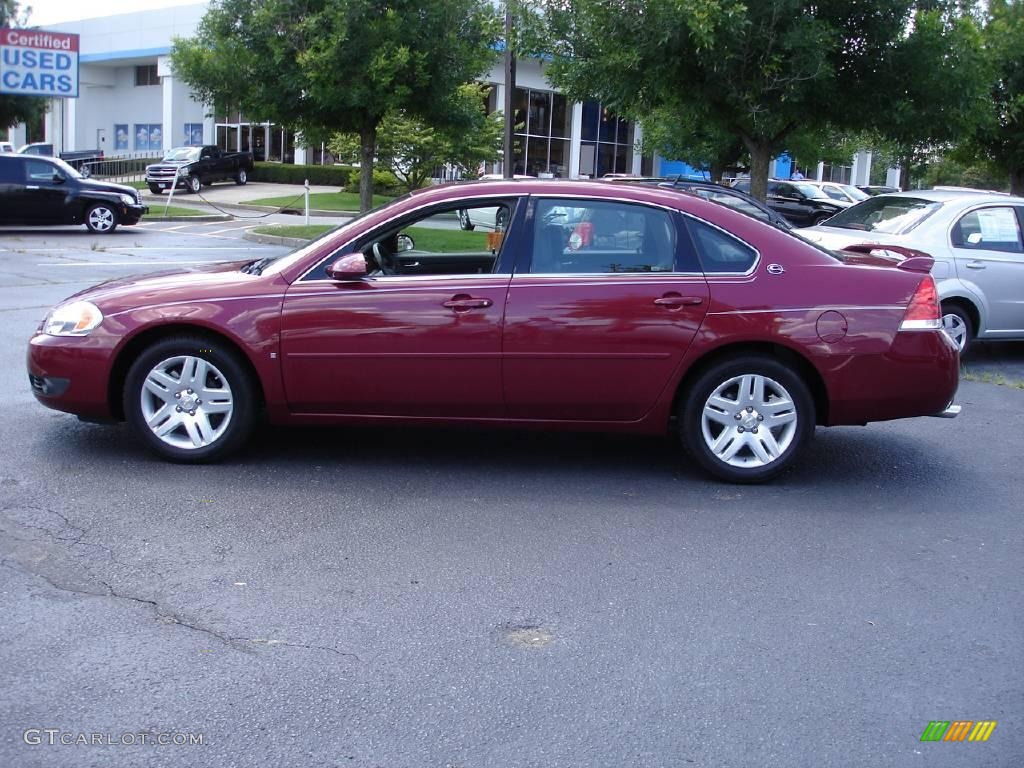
<point x="414" y="278"/>
<point x="405" y="213"/>
<point x="727" y="233"/>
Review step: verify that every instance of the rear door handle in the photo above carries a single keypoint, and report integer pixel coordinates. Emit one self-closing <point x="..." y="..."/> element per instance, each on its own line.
<point x="675" y="301"/>
<point x="465" y="303"/>
<point x="31" y="186"/>
<point x="975" y="265"/>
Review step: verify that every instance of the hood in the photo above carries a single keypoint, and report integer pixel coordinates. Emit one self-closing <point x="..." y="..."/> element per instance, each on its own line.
<point x="171" y="163"/>
<point x="108" y="187"/>
<point x="198" y="283"/>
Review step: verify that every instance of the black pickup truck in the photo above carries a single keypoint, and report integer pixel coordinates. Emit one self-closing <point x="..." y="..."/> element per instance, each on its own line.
<point x="192" y="167"/>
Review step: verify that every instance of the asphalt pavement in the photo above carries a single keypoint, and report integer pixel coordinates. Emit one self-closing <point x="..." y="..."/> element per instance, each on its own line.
<point x="420" y="598"/>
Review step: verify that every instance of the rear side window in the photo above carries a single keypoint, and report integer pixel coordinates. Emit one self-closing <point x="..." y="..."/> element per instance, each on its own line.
<point x="599" y="237"/>
<point x="10" y="170"/>
<point x="719" y="252"/>
<point x="988" y="229"/>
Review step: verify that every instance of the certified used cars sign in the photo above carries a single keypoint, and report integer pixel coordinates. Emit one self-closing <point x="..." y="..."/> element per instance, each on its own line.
<point x="34" y="62"/>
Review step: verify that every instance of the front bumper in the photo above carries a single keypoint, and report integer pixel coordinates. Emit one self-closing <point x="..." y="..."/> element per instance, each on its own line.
<point x="70" y="374"/>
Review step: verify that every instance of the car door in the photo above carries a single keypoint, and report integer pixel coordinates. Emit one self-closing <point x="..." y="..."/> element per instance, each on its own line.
<point x="602" y="306"/>
<point x="208" y="163"/>
<point x="787" y="200"/>
<point x="41" y="200"/>
<point x="422" y="341"/>
<point x="988" y="251"/>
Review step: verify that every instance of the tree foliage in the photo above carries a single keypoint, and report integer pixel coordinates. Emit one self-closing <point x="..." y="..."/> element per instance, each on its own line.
<point x="17" y="109"/>
<point x="412" y="149"/>
<point x="324" y="66"/>
<point x="759" y="71"/>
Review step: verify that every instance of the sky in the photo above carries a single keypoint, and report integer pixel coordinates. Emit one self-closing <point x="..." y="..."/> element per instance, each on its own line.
<point x="55" y="11"/>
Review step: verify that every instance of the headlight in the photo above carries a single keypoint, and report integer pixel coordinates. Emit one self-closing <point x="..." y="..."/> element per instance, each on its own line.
<point x="76" y="319"/>
<point x="127" y="199"/>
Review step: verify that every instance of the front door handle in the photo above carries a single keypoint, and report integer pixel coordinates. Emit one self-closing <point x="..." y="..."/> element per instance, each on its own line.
<point x="675" y="301"/>
<point x="31" y="186"/>
<point x="975" y="265"/>
<point x="463" y="303"/>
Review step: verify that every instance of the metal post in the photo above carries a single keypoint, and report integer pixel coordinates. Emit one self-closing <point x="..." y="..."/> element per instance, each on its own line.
<point x="174" y="186"/>
<point x="307" y="202"/>
<point x="510" y="87"/>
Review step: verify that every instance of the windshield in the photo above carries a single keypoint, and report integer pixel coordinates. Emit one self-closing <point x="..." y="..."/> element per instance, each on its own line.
<point x="183" y="153"/>
<point x="886" y="214"/>
<point x="855" y="193"/>
<point x="271" y="264"/>
<point x="812" y="192"/>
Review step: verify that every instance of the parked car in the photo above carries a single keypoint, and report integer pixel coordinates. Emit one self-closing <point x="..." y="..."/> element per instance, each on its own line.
<point x="6" y="146"/>
<point x="975" y="238"/>
<point x="77" y="159"/>
<point x="846" y="193"/>
<point x="622" y="308"/>
<point x="873" y="190"/>
<point x="729" y="196"/>
<point x="489" y="219"/>
<point x="192" y="167"/>
<point x="37" y="191"/>
<point x="802" y="204"/>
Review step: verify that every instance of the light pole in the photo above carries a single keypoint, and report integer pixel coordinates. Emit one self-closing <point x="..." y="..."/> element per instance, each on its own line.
<point x="510" y="87"/>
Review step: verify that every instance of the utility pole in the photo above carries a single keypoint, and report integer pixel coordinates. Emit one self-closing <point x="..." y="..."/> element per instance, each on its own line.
<point x="510" y="87"/>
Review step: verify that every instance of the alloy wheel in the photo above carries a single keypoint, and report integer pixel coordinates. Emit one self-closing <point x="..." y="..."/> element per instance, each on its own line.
<point x="187" y="402"/>
<point x="101" y="219"/>
<point x="956" y="329"/>
<point x="749" y="421"/>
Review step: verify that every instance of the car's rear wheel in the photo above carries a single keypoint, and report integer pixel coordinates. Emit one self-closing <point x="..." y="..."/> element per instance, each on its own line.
<point x="190" y="400"/>
<point x="958" y="325"/>
<point x="101" y="219"/>
<point x="746" y="420"/>
<point x="821" y="218"/>
<point x="241" y="178"/>
<point x="194" y="184"/>
<point x="464" y="221"/>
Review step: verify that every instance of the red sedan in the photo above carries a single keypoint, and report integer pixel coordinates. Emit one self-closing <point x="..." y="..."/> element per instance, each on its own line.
<point x="588" y="306"/>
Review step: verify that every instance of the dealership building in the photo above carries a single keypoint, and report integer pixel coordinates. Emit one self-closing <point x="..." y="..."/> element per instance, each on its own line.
<point x="131" y="104"/>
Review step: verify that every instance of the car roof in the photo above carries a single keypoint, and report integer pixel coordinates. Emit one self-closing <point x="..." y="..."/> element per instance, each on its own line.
<point x="950" y="195"/>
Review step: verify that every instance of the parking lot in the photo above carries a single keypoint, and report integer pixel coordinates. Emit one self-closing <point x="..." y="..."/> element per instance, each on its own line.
<point x="443" y="598"/>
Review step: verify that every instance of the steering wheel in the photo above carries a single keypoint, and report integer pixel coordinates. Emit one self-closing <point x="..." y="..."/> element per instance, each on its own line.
<point x="385" y="258"/>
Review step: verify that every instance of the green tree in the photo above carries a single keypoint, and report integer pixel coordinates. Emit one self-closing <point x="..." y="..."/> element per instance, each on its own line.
<point x="760" y="71"/>
<point x="938" y="81"/>
<point x="324" y="66"/>
<point x="17" y="109"/>
<point x="682" y="132"/>
<point x="1001" y="139"/>
<point x="412" y="149"/>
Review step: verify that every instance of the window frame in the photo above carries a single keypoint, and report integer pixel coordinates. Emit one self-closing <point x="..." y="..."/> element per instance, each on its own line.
<point x="688" y="217"/>
<point x="956" y="239"/>
<point x="152" y="75"/>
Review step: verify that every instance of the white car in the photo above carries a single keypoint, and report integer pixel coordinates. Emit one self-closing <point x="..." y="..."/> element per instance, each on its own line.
<point x="6" y="146"/>
<point x="842" y="192"/>
<point x="975" y="239"/>
<point x="489" y="219"/>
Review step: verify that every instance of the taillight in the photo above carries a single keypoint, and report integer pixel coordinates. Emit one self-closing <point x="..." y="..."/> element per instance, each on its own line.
<point x="923" y="313"/>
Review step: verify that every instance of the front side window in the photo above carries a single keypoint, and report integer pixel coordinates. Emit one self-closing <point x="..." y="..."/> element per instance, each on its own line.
<point x="39" y="171"/>
<point x="599" y="237"/>
<point x="719" y="252"/>
<point x="988" y="229"/>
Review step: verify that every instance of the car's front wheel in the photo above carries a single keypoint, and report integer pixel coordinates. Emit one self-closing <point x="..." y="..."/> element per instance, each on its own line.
<point x="746" y="420"/>
<point x="242" y="177"/>
<point x="464" y="221"/>
<point x="190" y="400"/>
<point x="958" y="325"/>
<point x="101" y="219"/>
<point x="821" y="218"/>
<point x="155" y="189"/>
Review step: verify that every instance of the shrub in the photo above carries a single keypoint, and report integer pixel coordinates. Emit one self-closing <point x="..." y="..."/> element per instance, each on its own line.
<point x="326" y="175"/>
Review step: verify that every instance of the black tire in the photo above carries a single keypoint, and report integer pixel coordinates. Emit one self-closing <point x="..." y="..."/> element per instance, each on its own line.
<point x="691" y="424"/>
<point x="821" y="218"/>
<point x="241" y="178"/>
<point x="225" y="362"/>
<point x="193" y="184"/>
<point x="155" y="189"/>
<point x="464" y="222"/>
<point x="952" y="310"/>
<point x="101" y="218"/>
<point x="501" y="219"/>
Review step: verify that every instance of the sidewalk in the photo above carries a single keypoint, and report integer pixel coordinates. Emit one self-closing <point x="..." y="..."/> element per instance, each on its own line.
<point x="232" y="196"/>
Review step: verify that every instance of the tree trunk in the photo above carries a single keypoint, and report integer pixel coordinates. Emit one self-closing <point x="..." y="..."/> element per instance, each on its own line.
<point x="716" y="170"/>
<point x="1017" y="181"/>
<point x="905" y="166"/>
<point x="367" y="149"/>
<point x="760" y="158"/>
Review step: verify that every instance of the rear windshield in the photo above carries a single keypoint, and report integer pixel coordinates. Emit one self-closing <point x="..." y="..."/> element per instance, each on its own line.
<point x="886" y="214"/>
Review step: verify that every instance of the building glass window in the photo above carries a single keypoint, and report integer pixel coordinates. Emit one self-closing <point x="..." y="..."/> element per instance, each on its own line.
<point x="541" y="120"/>
<point x="145" y="74"/>
<point x="607" y="142"/>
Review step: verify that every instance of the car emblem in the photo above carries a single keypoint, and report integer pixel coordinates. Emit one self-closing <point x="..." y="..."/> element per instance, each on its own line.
<point x="775" y="269"/>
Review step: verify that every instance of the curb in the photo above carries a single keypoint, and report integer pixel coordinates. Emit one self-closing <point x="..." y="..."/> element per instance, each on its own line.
<point x="294" y="242"/>
<point x="201" y="217"/>
<point x="153" y="200"/>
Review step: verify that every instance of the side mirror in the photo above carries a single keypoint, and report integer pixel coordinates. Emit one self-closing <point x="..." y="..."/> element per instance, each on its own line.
<point x="405" y="243"/>
<point x="974" y="238"/>
<point x="348" y="268"/>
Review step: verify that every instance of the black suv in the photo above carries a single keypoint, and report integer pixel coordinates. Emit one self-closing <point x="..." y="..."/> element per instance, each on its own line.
<point x="804" y="205"/>
<point x="46" y="190"/>
<point x="716" y="193"/>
